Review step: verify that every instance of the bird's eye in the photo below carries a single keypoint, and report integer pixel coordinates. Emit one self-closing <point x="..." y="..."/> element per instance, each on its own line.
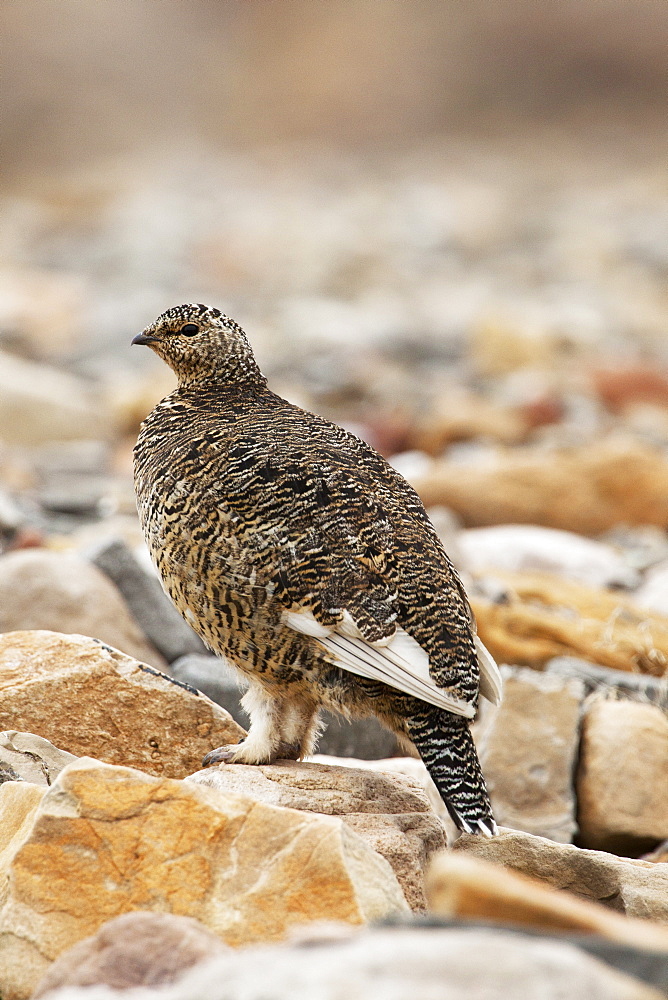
<point x="189" y="330"/>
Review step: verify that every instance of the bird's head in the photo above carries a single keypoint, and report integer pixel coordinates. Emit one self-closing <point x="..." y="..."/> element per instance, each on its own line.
<point x="199" y="342"/>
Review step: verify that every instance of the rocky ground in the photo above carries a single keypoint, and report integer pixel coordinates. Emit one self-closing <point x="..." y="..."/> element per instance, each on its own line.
<point x="499" y="334"/>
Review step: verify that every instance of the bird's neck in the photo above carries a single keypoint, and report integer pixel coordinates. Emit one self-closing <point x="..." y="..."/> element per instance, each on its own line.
<point x="231" y="363"/>
<point x="223" y="377"/>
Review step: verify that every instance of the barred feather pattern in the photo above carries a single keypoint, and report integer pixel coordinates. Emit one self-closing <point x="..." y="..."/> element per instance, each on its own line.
<point x="253" y="509"/>
<point x="446" y="746"/>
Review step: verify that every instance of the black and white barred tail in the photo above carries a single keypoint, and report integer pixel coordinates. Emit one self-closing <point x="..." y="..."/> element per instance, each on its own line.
<point x="446" y="746"/>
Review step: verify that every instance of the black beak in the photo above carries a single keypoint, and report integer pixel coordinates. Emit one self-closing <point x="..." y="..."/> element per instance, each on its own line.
<point x="143" y="338"/>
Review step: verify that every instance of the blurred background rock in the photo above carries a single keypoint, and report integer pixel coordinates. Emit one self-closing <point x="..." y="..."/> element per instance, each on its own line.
<point x="422" y="181"/>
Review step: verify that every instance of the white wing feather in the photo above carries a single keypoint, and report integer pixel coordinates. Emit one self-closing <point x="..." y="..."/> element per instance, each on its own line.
<point x="491" y="682"/>
<point x="402" y="662"/>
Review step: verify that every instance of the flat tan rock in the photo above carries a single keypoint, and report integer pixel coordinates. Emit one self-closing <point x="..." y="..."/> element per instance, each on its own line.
<point x="636" y="888"/>
<point x="470" y="888"/>
<point x="622" y="779"/>
<point x="389" y="811"/>
<point x="528" y="748"/>
<point x="61" y="592"/>
<point x="618" y="482"/>
<point x="543" y="616"/>
<point x="90" y="699"/>
<point x="412" y="767"/>
<point x="113" y="840"/>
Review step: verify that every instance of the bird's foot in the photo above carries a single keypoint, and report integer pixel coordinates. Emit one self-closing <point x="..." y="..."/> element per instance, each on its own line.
<point x="247" y="752"/>
<point x="221" y="755"/>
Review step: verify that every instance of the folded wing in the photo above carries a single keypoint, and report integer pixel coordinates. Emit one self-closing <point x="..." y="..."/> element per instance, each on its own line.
<point x="399" y="662"/>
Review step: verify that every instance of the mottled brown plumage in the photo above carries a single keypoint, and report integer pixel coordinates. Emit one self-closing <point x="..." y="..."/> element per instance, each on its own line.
<point x="305" y="560"/>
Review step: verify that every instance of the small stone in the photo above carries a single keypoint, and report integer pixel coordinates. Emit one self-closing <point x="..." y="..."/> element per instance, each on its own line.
<point x="32" y="758"/>
<point x="635" y="888"/>
<point x="114" y="839"/>
<point x="461" y="416"/>
<point x="12" y="520"/>
<point x="135" y="949"/>
<point x="528" y="748"/>
<point x="88" y="698"/>
<point x="658" y="855"/>
<point x="619" y="388"/>
<point x="472" y="889"/>
<point x="643" y="545"/>
<point x="389" y="811"/>
<point x="503" y="344"/>
<point x="161" y="623"/>
<point x="72" y="476"/>
<point x="621" y="781"/>
<point x="40" y="589"/>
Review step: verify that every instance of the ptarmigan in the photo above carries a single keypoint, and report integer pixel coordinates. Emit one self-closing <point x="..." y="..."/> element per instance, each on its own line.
<point x="305" y="560"/>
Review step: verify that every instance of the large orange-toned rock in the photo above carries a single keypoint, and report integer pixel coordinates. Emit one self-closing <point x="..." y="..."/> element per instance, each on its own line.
<point x="587" y="489"/>
<point x="468" y="887"/>
<point x="542" y="616"/>
<point x="90" y="699"/>
<point x="622" y="779"/>
<point x="108" y="840"/>
<point x="389" y="811"/>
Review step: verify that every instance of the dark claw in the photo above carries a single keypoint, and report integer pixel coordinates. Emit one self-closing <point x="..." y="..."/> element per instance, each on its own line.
<point x="221" y="755"/>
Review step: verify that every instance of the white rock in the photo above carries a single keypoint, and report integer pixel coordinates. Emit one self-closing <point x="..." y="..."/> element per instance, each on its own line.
<point x="517" y="547"/>
<point x="653" y="593"/>
<point x="412" y="464"/>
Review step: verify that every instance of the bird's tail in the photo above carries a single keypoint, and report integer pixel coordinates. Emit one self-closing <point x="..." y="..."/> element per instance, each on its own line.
<point x="446" y="746"/>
